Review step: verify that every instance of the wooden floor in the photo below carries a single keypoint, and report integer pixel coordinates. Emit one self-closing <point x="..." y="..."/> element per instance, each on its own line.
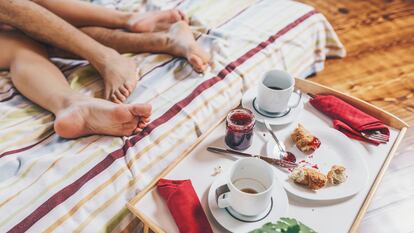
<point x="379" y="38"/>
<point x="379" y="68"/>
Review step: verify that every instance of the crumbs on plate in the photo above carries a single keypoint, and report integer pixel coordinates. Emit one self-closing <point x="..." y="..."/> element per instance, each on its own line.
<point x="309" y="177"/>
<point x="337" y="175"/>
<point x="217" y="170"/>
<point x="314" y="179"/>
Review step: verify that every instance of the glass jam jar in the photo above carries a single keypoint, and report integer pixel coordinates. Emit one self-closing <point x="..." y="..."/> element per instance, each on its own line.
<point x="239" y="128"/>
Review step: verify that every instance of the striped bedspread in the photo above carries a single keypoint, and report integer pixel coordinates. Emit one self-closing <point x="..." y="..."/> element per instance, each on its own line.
<point x="51" y="184"/>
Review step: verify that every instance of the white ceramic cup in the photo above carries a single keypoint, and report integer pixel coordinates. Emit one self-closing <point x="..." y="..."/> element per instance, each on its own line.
<point x="247" y="174"/>
<point x="274" y="91"/>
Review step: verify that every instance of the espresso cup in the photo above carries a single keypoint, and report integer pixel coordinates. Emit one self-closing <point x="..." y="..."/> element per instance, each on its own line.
<point x="249" y="187"/>
<point x="274" y="91"/>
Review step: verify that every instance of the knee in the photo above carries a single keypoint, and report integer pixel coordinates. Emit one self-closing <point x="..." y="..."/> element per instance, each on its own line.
<point x="16" y="44"/>
<point x="26" y="44"/>
<point x="16" y="47"/>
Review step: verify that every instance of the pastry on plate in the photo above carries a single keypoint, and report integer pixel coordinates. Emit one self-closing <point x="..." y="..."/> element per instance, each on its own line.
<point x="309" y="177"/>
<point x="304" y="140"/>
<point x="337" y="174"/>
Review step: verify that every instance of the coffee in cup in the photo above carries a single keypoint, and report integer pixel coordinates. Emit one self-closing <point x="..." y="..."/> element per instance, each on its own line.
<point x="249" y="187"/>
<point x="274" y="91"/>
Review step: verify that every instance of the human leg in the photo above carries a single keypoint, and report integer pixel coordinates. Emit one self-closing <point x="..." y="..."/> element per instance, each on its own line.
<point x="83" y="14"/>
<point x="118" y="72"/>
<point x="76" y="115"/>
<point x="177" y="41"/>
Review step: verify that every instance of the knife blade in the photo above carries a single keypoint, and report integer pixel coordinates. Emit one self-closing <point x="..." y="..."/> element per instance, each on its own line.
<point x="272" y="161"/>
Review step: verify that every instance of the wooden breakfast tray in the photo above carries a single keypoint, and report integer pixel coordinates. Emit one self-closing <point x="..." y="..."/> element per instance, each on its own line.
<point x="196" y="165"/>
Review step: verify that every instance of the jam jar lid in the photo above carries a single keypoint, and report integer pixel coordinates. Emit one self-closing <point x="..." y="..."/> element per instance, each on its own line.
<point x="240" y="120"/>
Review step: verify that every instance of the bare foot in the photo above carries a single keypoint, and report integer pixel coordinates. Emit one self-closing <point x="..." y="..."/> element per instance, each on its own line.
<point x="120" y="75"/>
<point x="155" y="21"/>
<point x="182" y="43"/>
<point x="96" y="116"/>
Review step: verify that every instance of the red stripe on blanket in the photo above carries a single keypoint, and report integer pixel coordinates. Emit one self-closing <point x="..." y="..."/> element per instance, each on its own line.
<point x="69" y="190"/>
<point x="142" y="77"/>
<point x="25" y="148"/>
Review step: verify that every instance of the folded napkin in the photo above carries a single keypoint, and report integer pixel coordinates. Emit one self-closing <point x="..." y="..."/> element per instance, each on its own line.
<point x="184" y="205"/>
<point x="348" y="119"/>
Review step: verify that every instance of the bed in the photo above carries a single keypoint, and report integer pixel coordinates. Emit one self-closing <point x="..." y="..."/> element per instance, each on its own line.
<point x="51" y="184"/>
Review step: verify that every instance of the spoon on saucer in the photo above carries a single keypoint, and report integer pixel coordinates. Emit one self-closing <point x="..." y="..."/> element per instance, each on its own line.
<point x="284" y="155"/>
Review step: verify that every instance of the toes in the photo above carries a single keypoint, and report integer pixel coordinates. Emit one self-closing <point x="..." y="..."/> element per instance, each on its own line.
<point x="197" y="63"/>
<point x="120" y="96"/>
<point x="202" y="54"/>
<point x="142" y="110"/>
<point x="183" y="16"/>
<point x="145" y="119"/>
<point x="175" y="16"/>
<point x="137" y="130"/>
<point x="124" y="91"/>
<point x="129" y="87"/>
<point x="130" y="126"/>
<point x="114" y="98"/>
<point x="141" y="125"/>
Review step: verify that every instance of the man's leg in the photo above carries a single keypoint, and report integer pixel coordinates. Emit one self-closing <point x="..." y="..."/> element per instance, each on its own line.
<point x="177" y="41"/>
<point x="76" y="115"/>
<point x="83" y="14"/>
<point x="119" y="72"/>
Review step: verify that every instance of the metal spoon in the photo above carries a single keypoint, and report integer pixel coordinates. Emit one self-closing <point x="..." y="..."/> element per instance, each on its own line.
<point x="284" y="155"/>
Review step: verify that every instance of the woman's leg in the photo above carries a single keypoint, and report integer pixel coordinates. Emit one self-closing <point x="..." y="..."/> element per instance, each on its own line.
<point x="118" y="72"/>
<point x="76" y="115"/>
<point x="82" y="14"/>
<point x="178" y="41"/>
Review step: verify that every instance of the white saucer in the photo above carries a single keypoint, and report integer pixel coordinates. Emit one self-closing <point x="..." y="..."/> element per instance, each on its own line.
<point x="235" y="222"/>
<point x="335" y="148"/>
<point x="293" y="114"/>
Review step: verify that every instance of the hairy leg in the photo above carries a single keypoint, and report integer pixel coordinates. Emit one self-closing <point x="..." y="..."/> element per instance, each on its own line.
<point x="177" y="41"/>
<point x="76" y="115"/>
<point x="82" y="14"/>
<point x="31" y="18"/>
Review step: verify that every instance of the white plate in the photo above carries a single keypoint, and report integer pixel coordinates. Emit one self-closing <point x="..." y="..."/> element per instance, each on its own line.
<point x="335" y="148"/>
<point x="279" y="209"/>
<point x="247" y="102"/>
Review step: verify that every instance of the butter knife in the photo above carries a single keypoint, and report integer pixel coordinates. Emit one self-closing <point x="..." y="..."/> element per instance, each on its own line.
<point x="272" y="161"/>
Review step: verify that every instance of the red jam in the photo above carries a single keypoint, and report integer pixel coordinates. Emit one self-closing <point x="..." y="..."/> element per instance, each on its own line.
<point x="239" y="129"/>
<point x="289" y="157"/>
<point x="315" y="166"/>
<point x="315" y="143"/>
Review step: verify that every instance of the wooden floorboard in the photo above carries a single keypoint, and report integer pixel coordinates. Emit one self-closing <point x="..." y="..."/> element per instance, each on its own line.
<point x="379" y="38"/>
<point x="379" y="68"/>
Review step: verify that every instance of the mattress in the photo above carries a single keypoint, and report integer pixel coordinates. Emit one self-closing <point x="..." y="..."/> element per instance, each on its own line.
<point x="50" y="184"/>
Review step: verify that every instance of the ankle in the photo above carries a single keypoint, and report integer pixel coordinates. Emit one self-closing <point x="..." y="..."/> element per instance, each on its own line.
<point x="125" y="19"/>
<point x="68" y="101"/>
<point x="104" y="59"/>
<point x="169" y="42"/>
<point x="159" y="42"/>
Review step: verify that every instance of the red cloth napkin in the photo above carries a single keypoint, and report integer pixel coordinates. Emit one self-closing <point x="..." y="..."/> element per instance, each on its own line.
<point x="348" y="119"/>
<point x="184" y="205"/>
